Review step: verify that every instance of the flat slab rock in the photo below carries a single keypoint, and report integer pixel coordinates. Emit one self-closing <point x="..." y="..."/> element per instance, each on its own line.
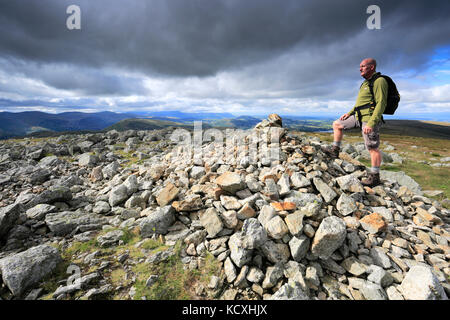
<point x="63" y="223"/>
<point x="25" y="269"/>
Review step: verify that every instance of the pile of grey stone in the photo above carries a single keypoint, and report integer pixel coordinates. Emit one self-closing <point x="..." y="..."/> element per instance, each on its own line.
<point x="284" y="221"/>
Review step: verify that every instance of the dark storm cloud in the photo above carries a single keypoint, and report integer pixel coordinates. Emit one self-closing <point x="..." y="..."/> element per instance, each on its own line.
<point x="289" y="47"/>
<point x="201" y="37"/>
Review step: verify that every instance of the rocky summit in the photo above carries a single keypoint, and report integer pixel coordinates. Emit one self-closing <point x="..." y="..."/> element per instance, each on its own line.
<point x="277" y="217"/>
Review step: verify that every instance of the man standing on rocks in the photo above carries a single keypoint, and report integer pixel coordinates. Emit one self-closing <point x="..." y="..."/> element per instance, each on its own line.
<point x="367" y="115"/>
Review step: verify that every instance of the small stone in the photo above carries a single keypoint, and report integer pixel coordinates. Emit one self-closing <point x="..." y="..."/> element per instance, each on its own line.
<point x="379" y="276"/>
<point x="327" y="193"/>
<point x="294" y="222"/>
<point x="346" y="205"/>
<point x="167" y="194"/>
<point x="373" y="223"/>
<point x="276" y="228"/>
<point x="246" y="212"/>
<point x="230" y="182"/>
<point x="230" y="270"/>
<point x="255" y="275"/>
<point x="354" y="266"/>
<point x="329" y="236"/>
<point x="211" y="222"/>
<point x="299" y="247"/>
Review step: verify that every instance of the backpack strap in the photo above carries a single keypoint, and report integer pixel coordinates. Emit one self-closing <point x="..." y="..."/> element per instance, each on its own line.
<point x="371" y="82"/>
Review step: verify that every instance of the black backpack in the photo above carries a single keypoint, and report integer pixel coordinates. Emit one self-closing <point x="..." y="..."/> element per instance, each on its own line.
<point x="393" y="97"/>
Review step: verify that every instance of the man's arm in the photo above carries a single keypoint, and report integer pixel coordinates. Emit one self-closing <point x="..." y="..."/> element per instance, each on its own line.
<point x="380" y="91"/>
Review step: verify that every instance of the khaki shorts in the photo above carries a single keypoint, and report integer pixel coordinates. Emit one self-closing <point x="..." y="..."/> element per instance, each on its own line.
<point x="371" y="140"/>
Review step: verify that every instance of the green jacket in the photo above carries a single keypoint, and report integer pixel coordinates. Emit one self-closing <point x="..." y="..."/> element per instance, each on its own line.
<point x="380" y="90"/>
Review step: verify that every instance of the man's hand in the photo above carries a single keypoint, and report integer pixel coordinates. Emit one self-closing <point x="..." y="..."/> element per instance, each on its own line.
<point x="367" y="130"/>
<point x="344" y="116"/>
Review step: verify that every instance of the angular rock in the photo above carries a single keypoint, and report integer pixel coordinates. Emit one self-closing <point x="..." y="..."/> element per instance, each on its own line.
<point x="230" y="203"/>
<point x="38" y="212"/>
<point x="379" y="276"/>
<point x="230" y="270"/>
<point x="54" y="194"/>
<point x="329" y="236"/>
<point x="253" y="235"/>
<point x="284" y="185"/>
<point x="87" y="160"/>
<point x="8" y="215"/>
<point x="402" y="179"/>
<point x="238" y="254"/>
<point x="246" y="212"/>
<point x="420" y="283"/>
<point x="255" y="275"/>
<point x="294" y="222"/>
<point x="118" y="195"/>
<point x="25" y="269"/>
<point x="346" y="205"/>
<point x="230" y="182"/>
<point x="380" y="257"/>
<point x="110" y="238"/>
<point x="197" y="172"/>
<point x="372" y="291"/>
<point x="275" y="252"/>
<point x="350" y="183"/>
<point x="290" y="291"/>
<point x="157" y="222"/>
<point x="211" y="222"/>
<point x="327" y="193"/>
<point x="276" y="228"/>
<point x="299" y="247"/>
<point x="266" y="213"/>
<point x="167" y="194"/>
<point x="63" y="223"/>
<point x="190" y="203"/>
<point x="299" y="181"/>
<point x="273" y="274"/>
<point x="373" y="223"/>
<point x="353" y="266"/>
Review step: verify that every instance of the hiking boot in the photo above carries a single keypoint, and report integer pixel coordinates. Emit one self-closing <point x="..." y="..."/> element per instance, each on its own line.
<point x="332" y="151"/>
<point x="372" y="180"/>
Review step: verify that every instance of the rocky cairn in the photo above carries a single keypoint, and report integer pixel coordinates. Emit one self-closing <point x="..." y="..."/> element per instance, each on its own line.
<point x="284" y="221"/>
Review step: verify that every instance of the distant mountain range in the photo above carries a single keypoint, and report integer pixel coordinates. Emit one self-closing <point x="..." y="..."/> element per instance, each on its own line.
<point x="29" y="122"/>
<point x="44" y="124"/>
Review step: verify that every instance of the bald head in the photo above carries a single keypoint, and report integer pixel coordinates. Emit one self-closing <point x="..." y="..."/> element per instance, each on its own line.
<point x="367" y="67"/>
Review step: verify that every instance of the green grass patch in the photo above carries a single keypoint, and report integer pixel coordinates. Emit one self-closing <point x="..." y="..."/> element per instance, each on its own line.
<point x="50" y="282"/>
<point x="174" y="282"/>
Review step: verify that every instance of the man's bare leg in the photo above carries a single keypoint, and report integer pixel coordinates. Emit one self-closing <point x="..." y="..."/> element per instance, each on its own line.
<point x="375" y="157"/>
<point x="338" y="131"/>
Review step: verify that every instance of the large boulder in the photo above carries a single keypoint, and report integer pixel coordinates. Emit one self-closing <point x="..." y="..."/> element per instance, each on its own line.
<point x="63" y="223"/>
<point x="157" y="222"/>
<point x="402" y="179"/>
<point x="118" y="195"/>
<point x="54" y="194"/>
<point x="25" y="269"/>
<point x="421" y="284"/>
